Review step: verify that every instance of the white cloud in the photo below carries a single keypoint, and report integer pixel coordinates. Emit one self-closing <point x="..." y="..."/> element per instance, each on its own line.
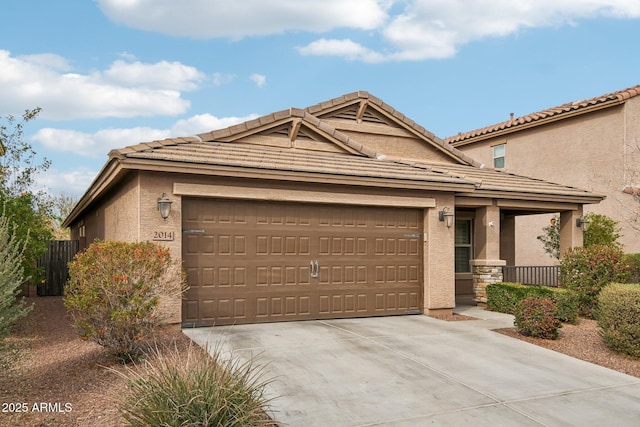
<point x="99" y="144"/>
<point x="432" y="29"/>
<point x="204" y="123"/>
<point x="95" y="144"/>
<point x="220" y="79"/>
<point x="161" y="75"/>
<point x="74" y="181"/>
<point x="121" y="91"/>
<point x="259" y="79"/>
<point x="48" y="60"/>
<point x="237" y="19"/>
<point x="345" y="48"/>
<point x="437" y="28"/>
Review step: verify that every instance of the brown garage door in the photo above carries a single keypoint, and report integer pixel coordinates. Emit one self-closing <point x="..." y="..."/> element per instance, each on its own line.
<point x="250" y="262"/>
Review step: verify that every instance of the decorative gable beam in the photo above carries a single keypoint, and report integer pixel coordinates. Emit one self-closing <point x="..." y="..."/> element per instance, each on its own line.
<point x="363" y="107"/>
<point x="295" y="128"/>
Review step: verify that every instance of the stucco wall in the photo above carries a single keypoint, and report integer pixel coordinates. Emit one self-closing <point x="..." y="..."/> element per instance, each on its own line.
<point x="121" y="221"/>
<point x="439" y="266"/>
<point x="589" y="151"/>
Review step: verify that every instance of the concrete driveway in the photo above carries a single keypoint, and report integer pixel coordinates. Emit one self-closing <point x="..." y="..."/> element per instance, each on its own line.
<point x="416" y="370"/>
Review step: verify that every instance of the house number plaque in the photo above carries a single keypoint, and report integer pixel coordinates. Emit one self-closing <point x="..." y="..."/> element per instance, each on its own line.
<point x="163" y="236"/>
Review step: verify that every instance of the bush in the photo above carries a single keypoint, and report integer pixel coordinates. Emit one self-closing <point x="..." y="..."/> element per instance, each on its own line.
<point x="195" y="389"/>
<point x="587" y="270"/>
<point x="633" y="261"/>
<point x="114" y="290"/>
<point x="537" y="317"/>
<point x="30" y="224"/>
<point x="505" y="297"/>
<point x="11" y="278"/>
<point x="618" y="315"/>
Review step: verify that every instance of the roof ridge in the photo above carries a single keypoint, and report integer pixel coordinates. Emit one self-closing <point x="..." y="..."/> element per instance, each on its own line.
<point x="568" y="107"/>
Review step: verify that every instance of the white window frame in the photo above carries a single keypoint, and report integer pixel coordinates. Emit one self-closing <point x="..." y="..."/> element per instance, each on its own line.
<point x="497" y="157"/>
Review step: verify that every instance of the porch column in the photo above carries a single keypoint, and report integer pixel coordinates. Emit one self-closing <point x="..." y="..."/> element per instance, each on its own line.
<point x="439" y="260"/>
<point x="486" y="268"/>
<point x="570" y="235"/>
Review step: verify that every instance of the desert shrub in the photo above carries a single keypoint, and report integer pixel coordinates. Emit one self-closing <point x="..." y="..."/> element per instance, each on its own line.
<point x="505" y="297"/>
<point x="11" y="278"/>
<point x="633" y="261"/>
<point x="114" y="291"/>
<point x="192" y="388"/>
<point x="618" y="316"/>
<point x="587" y="270"/>
<point x="537" y="317"/>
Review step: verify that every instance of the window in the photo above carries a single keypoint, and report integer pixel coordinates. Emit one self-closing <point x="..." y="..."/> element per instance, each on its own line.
<point x="498" y="155"/>
<point x="464" y="251"/>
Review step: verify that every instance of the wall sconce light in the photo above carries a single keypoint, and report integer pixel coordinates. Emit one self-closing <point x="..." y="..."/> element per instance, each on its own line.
<point x="164" y="206"/>
<point x="583" y="223"/>
<point x="446" y="215"/>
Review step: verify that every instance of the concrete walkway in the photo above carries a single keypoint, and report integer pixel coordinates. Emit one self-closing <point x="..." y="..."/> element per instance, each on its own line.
<point x="418" y="371"/>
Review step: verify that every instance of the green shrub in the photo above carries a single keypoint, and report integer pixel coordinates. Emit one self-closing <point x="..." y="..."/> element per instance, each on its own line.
<point x="587" y="270"/>
<point x="537" y="317"/>
<point x="114" y="291"/>
<point x="505" y="297"/>
<point x="633" y="261"/>
<point x="193" y="388"/>
<point x="618" y="315"/>
<point x="29" y="222"/>
<point x="11" y="279"/>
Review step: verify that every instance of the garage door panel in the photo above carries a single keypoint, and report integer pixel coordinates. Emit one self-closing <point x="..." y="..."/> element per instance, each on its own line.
<point x="252" y="261"/>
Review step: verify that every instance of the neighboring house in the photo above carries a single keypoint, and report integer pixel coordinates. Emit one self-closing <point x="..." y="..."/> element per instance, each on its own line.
<point x="592" y="144"/>
<point x="342" y="209"/>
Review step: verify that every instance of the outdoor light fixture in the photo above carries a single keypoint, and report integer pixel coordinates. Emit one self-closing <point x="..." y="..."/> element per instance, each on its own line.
<point x="583" y="223"/>
<point x="447" y="216"/>
<point x="164" y="206"/>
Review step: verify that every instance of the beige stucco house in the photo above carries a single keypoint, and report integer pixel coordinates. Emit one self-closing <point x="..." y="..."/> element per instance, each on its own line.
<point x="592" y="144"/>
<point x="346" y="208"/>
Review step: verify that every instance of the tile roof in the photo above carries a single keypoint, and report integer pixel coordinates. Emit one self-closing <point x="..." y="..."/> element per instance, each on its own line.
<point x="221" y="153"/>
<point x="268" y="159"/>
<point x="565" y="110"/>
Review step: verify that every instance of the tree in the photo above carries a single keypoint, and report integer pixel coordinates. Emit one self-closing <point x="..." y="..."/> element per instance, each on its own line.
<point x="11" y="278"/>
<point x="18" y="165"/>
<point x="27" y="211"/>
<point x="30" y="225"/>
<point x="602" y="230"/>
<point x="550" y="237"/>
<point x="62" y="204"/>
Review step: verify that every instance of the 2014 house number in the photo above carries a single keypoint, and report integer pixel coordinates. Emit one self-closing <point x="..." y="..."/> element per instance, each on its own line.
<point x="163" y="236"/>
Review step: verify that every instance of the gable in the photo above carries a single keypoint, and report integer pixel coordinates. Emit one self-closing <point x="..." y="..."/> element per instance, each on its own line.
<point x="357" y="124"/>
<point x="381" y="128"/>
<point x="294" y="134"/>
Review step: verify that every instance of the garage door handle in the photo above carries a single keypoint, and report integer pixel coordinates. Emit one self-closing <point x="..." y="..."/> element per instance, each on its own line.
<point x="314" y="268"/>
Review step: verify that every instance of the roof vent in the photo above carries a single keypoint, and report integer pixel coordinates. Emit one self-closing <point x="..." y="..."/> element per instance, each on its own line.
<point x="511" y="116"/>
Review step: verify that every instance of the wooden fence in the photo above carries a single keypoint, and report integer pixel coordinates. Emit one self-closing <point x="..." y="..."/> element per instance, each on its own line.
<point x="54" y="262"/>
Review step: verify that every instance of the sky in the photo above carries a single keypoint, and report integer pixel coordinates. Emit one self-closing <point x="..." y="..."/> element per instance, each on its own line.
<point x="113" y="73"/>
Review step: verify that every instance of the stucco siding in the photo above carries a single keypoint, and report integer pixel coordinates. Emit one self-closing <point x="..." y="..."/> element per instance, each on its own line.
<point x="121" y="212"/>
<point x="587" y="151"/>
